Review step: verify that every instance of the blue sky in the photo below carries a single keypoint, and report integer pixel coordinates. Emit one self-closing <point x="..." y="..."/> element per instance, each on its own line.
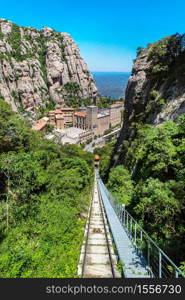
<point x="107" y="31"/>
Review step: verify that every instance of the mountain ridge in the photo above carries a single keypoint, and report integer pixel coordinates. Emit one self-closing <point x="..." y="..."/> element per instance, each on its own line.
<point x="156" y="89"/>
<point x="39" y="67"/>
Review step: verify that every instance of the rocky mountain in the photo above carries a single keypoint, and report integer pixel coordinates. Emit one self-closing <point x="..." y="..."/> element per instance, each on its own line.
<point x="39" y="67"/>
<point x="156" y="89"/>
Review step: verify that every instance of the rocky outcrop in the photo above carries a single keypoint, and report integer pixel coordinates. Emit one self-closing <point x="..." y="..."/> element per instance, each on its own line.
<point x="35" y="66"/>
<point x="156" y="89"/>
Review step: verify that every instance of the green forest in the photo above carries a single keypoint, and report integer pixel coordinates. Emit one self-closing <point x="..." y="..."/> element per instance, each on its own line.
<point x="45" y="192"/>
<point x="151" y="183"/>
<point x="44" y="197"/>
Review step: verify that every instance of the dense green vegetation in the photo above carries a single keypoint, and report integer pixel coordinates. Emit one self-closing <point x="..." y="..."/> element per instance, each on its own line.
<point x="120" y="184"/>
<point x="155" y="104"/>
<point x="73" y="97"/>
<point x="14" y="39"/>
<point x="163" y="53"/>
<point x="104" y="102"/>
<point x="105" y="155"/>
<point x="152" y="183"/>
<point x="72" y="90"/>
<point x="44" y="193"/>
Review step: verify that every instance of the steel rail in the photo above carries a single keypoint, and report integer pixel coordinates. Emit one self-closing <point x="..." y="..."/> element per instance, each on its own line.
<point x="87" y="235"/>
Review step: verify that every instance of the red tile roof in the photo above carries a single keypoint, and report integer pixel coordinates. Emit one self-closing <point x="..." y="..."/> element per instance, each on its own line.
<point x="39" y="125"/>
<point x="57" y="111"/>
<point x="117" y="103"/>
<point x="67" y="108"/>
<point x="80" y="114"/>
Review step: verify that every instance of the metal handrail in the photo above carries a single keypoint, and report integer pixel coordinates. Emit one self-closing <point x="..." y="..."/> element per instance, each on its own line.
<point x="131" y="227"/>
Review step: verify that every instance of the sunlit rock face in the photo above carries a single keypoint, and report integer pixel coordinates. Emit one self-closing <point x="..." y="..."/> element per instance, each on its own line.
<point x="153" y="95"/>
<point x="35" y="66"/>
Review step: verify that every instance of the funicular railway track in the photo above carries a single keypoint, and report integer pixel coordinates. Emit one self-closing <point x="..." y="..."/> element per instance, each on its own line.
<point x="97" y="256"/>
<point x="135" y="250"/>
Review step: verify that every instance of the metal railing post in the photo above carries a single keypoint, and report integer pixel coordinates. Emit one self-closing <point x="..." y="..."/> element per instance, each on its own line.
<point x="131" y="227"/>
<point x="127" y="221"/>
<point x="141" y="236"/>
<point x="120" y="211"/>
<point x="160" y="261"/>
<point x="148" y="253"/>
<point x="124" y="216"/>
<point x="135" y="233"/>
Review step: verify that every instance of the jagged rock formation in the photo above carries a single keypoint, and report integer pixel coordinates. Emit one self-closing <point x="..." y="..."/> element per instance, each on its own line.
<point x="156" y="89"/>
<point x="35" y="66"/>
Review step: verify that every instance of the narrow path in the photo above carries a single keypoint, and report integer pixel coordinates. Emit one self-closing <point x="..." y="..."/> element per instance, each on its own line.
<point x="97" y="258"/>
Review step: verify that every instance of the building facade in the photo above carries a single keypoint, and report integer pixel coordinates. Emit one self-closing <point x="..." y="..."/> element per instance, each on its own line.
<point x="73" y="135"/>
<point x="86" y="136"/>
<point x="89" y="118"/>
<point x="103" y="122"/>
<point x="80" y="120"/>
<point x="115" y="113"/>
<point x="92" y="114"/>
<point x="68" y="113"/>
<point x="61" y="118"/>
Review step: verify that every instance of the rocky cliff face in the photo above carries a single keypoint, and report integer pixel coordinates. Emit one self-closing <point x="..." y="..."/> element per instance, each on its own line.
<point x="40" y="66"/>
<point x="156" y="89"/>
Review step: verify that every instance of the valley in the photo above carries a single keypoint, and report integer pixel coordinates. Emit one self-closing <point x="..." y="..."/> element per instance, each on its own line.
<point x="54" y="117"/>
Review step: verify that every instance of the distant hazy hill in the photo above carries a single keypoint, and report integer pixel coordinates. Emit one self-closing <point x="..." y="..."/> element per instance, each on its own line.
<point x="111" y="84"/>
